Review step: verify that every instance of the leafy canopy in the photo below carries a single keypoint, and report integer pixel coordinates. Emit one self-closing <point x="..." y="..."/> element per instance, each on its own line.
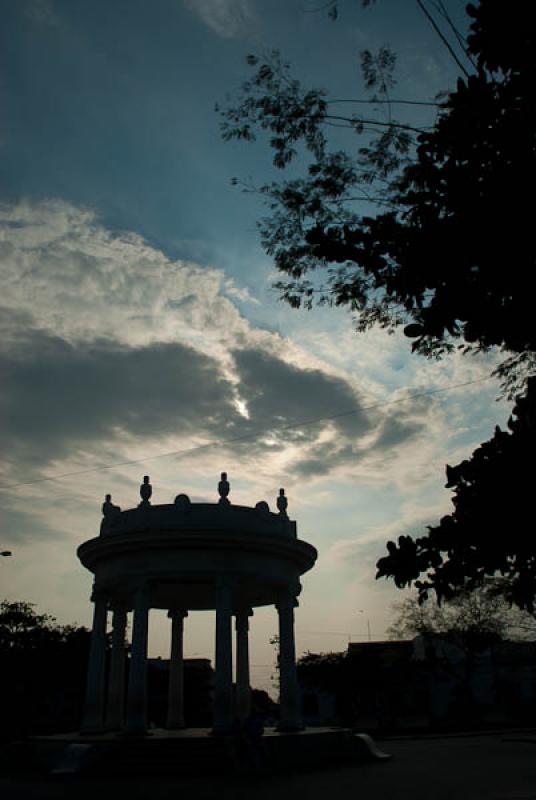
<point x="23" y="631"/>
<point x="472" y="620"/>
<point x="490" y="532"/>
<point x="448" y="252"/>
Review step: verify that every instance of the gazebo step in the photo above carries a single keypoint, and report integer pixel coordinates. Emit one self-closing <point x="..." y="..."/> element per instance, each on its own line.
<point x="196" y="752"/>
<point x="181" y="755"/>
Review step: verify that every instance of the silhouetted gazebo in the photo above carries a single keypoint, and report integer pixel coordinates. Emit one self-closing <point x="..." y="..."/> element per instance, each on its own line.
<point x="188" y="556"/>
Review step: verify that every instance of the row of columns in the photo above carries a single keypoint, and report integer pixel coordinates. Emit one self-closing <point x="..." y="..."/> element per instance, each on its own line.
<point x="98" y="719"/>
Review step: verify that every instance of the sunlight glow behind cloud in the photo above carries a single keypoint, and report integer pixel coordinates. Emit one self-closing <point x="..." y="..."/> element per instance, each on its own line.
<point x="112" y="352"/>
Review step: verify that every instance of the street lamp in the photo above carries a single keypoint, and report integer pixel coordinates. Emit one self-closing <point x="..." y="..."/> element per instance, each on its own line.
<point x="361" y="611"/>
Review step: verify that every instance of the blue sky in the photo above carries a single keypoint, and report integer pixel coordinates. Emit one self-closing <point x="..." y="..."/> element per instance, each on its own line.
<point x="138" y="316"/>
<point x="111" y="105"/>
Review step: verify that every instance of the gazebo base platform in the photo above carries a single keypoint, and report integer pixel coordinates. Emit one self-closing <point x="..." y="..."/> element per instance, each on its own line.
<point x="194" y="751"/>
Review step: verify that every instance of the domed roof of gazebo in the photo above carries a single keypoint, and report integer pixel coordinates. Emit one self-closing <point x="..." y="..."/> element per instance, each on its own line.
<point x="183" y="548"/>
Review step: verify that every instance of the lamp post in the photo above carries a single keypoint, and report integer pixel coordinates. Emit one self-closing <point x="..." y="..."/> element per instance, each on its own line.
<point x="361" y="611"/>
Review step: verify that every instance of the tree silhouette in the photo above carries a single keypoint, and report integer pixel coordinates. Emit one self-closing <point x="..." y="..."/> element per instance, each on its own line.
<point x="43" y="669"/>
<point x="449" y="255"/>
<point x="490" y="533"/>
<point x="330" y="673"/>
<point x="21" y="629"/>
<point x="473" y="620"/>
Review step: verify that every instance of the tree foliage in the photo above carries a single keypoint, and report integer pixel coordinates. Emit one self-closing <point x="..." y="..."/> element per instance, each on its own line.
<point x="42" y="671"/>
<point x="472" y="620"/>
<point x="490" y="532"/>
<point x="23" y="630"/>
<point x="331" y="673"/>
<point x="321" y="670"/>
<point x="449" y="252"/>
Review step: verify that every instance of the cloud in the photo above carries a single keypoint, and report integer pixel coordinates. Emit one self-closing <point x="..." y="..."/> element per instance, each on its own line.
<point x="397" y="429"/>
<point x="80" y="281"/>
<point x="227" y="18"/>
<point x="240" y="293"/>
<point x="323" y="415"/>
<point x="390" y="433"/>
<point x="58" y="396"/>
<point x="282" y="393"/>
<point x="23" y="526"/>
<point x="109" y="350"/>
<point x="40" y="12"/>
<point x="358" y="556"/>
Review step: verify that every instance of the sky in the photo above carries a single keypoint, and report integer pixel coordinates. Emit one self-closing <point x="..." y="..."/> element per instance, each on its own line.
<point x="139" y="321"/>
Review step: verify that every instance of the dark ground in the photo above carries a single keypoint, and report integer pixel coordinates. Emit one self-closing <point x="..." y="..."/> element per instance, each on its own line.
<point x="492" y="767"/>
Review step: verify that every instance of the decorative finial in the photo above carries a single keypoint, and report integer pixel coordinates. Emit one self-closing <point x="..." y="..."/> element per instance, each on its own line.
<point x="282" y="503"/>
<point x="224" y="489"/>
<point x="182" y="502"/>
<point x="146" y="491"/>
<point x="108" y="508"/>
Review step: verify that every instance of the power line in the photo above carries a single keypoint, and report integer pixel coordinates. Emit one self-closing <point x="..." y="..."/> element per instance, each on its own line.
<point x="328" y="633"/>
<point x="245" y="436"/>
<point x="350" y="635"/>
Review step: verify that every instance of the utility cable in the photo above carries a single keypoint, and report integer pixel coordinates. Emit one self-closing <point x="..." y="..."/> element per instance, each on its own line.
<point x="244" y="437"/>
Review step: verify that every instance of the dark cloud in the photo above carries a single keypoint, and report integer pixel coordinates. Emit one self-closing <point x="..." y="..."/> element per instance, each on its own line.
<point x="280" y="394"/>
<point x="57" y="396"/>
<point x="324" y="457"/>
<point x="19" y="527"/>
<point x="396" y="430"/>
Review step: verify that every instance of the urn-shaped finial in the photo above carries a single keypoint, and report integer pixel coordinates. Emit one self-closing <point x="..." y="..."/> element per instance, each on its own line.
<point x="224" y="489"/>
<point x="146" y="491"/>
<point x="108" y="508"/>
<point x="282" y="503"/>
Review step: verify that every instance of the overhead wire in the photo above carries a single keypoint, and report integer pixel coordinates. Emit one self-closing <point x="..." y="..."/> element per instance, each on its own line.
<point x="244" y="437"/>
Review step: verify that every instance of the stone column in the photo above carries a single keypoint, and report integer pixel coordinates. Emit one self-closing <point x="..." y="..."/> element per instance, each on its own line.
<point x="243" y="689"/>
<point x="116" y="684"/>
<point x="223" y="689"/>
<point x="175" y="715"/>
<point x="289" y="694"/>
<point x="94" y="703"/>
<point x="136" y="722"/>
